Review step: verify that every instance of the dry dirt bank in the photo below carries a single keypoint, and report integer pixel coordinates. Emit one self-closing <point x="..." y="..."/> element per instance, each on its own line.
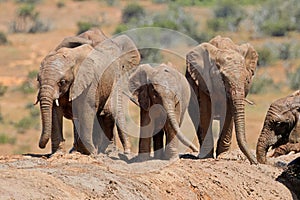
<point x="73" y="176"/>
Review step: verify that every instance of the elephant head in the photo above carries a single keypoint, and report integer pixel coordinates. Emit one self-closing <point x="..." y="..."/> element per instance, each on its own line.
<point x="235" y="66"/>
<point x="280" y="125"/>
<point x="166" y="86"/>
<point x="56" y="78"/>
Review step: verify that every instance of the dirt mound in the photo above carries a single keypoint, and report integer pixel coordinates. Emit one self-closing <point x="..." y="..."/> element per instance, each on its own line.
<point x="74" y="176"/>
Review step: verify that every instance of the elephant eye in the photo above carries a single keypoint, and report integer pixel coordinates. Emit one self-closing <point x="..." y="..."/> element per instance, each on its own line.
<point x="61" y="83"/>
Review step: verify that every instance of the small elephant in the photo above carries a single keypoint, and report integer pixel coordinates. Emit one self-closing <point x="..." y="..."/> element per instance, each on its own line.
<point x="76" y="80"/>
<point x="281" y="129"/>
<point x="163" y="94"/>
<point x="220" y="73"/>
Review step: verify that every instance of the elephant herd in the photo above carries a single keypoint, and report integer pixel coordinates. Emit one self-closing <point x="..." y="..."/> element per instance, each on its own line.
<point x="83" y="80"/>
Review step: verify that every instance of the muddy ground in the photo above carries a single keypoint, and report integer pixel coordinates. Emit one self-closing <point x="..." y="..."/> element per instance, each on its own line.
<point x="75" y="176"/>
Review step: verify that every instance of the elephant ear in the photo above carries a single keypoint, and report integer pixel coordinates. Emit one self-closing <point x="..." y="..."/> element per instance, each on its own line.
<point x="91" y="64"/>
<point x="295" y="133"/>
<point x="138" y="85"/>
<point x="130" y="56"/>
<point x="73" y="42"/>
<point x="251" y="57"/>
<point x="96" y="36"/>
<point x="200" y="64"/>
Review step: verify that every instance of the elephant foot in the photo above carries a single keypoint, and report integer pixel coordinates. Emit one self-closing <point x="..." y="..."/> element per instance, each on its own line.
<point x="60" y="148"/>
<point x="57" y="154"/>
<point x="231" y="155"/>
<point x="141" y="157"/>
<point x="127" y="151"/>
<point x="159" y="154"/>
<point x="205" y="155"/>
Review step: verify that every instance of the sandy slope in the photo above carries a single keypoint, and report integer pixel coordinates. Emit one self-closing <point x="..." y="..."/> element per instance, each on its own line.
<point x="73" y="176"/>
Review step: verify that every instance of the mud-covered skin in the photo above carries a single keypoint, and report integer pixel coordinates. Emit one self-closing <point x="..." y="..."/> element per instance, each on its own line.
<point x="281" y="128"/>
<point x="220" y="73"/>
<point x="163" y="94"/>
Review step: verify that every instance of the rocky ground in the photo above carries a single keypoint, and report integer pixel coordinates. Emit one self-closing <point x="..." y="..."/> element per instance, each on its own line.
<point x="74" y="176"/>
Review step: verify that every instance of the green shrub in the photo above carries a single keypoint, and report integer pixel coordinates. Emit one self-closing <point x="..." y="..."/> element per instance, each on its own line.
<point x="111" y="2"/>
<point x="276" y="20"/>
<point x="132" y="11"/>
<point x="83" y="26"/>
<point x="294" y="79"/>
<point x="261" y="84"/>
<point x="3" y="38"/>
<point x="264" y="56"/>
<point x="60" y="4"/>
<point x="278" y="28"/>
<point x="28" y="21"/>
<point x="227" y="16"/>
<point x="3" y="89"/>
<point x="29" y="86"/>
<point x="27" y="1"/>
<point x="285" y="51"/>
<point x="26" y="123"/>
<point x="6" y="139"/>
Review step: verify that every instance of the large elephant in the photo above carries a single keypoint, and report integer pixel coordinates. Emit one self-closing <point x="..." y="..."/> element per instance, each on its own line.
<point x="220" y="74"/>
<point x="163" y="94"/>
<point x="76" y="79"/>
<point x="281" y="127"/>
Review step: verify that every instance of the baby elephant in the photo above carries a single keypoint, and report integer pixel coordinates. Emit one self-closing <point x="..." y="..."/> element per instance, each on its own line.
<point x="281" y="128"/>
<point x="163" y="95"/>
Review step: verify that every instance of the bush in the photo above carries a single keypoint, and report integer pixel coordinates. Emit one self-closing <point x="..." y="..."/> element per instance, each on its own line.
<point x="3" y="39"/>
<point x="60" y="4"/>
<point x="294" y="79"/>
<point x="278" y="28"/>
<point x="261" y="84"/>
<point x="276" y="20"/>
<point x="6" y="139"/>
<point x="3" y="89"/>
<point x="86" y="25"/>
<point x="265" y="57"/>
<point x="131" y="12"/>
<point x="29" y="86"/>
<point x="28" y="21"/>
<point x="228" y="15"/>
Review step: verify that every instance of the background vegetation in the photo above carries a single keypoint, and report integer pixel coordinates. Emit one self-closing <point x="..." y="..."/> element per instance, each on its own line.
<point x="29" y="29"/>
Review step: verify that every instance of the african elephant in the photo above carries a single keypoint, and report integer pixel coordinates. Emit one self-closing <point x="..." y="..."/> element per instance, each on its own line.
<point x="76" y="79"/>
<point x="281" y="127"/>
<point x="220" y="74"/>
<point x="163" y="95"/>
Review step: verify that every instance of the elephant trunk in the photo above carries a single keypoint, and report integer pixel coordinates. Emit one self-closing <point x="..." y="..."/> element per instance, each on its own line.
<point x="46" y="104"/>
<point x="172" y="117"/>
<point x="239" y="121"/>
<point x="263" y="146"/>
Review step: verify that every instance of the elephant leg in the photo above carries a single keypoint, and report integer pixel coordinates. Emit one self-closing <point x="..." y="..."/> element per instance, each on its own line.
<point x="225" y="138"/>
<point x="84" y="115"/>
<point x="107" y="123"/>
<point x="146" y="132"/>
<point x="124" y="140"/>
<point x="286" y="148"/>
<point x="77" y="144"/>
<point x="158" y="144"/>
<point x="204" y="133"/>
<point x="57" y="140"/>
<point x="171" y="151"/>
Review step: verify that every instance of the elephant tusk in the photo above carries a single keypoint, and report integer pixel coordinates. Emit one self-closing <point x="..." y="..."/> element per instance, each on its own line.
<point x="56" y="102"/>
<point x="249" y="102"/>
